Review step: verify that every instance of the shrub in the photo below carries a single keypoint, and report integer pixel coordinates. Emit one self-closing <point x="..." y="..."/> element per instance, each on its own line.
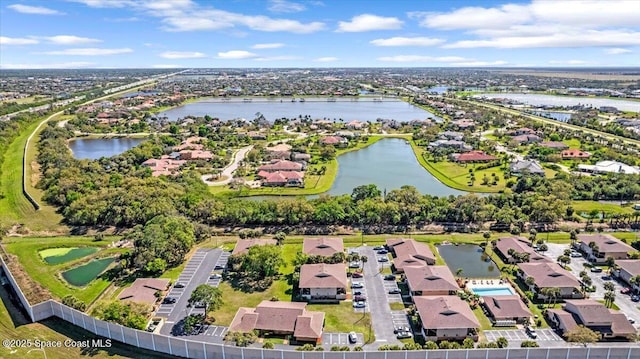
<point x="529" y="344"/>
<point x="502" y="342"/>
<point x="430" y="345"/>
<point x="268" y="345"/>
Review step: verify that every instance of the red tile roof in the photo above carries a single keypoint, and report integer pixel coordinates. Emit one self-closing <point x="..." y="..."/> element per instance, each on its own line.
<point x="281" y="166"/>
<point x="430" y="279"/>
<point x="323" y="275"/>
<point x="506" y="307"/>
<point x="322" y="246"/>
<point x="445" y="312"/>
<point x="547" y="274"/>
<point x="474" y="156"/>
<point x="284" y="317"/>
<point x="143" y="290"/>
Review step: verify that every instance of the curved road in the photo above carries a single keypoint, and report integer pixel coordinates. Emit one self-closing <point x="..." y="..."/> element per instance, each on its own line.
<point x="230" y="168"/>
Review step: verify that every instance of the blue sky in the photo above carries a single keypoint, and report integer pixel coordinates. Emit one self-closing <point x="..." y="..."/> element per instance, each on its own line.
<point x="325" y="33"/>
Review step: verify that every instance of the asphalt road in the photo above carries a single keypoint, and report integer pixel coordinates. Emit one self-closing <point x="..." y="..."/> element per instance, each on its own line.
<point x="381" y="317"/>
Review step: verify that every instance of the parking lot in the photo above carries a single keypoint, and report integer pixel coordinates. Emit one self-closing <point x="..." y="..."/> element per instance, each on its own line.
<point x="197" y="271"/>
<point x="520" y="335"/>
<point x="330" y="339"/>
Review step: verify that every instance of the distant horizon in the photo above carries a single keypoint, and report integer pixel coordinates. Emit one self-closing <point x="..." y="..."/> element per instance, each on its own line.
<point x="488" y="68"/>
<point x="70" y="34"/>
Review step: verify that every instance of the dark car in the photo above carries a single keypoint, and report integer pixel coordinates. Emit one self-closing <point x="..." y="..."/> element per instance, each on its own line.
<point x="169" y="300"/>
<point x="635" y="298"/>
<point x="218" y="267"/>
<point x="377" y="248"/>
<point x="356" y="275"/>
<point x="389" y="277"/>
<point x="395" y="291"/>
<point x="383" y="259"/>
<point x="357" y="293"/>
<point x="360" y="298"/>
<point x="178" y="285"/>
<point x="606" y="277"/>
<point x="383" y="251"/>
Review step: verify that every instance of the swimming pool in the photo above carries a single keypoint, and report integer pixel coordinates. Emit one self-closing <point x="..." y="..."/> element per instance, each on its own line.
<point x="491" y="291"/>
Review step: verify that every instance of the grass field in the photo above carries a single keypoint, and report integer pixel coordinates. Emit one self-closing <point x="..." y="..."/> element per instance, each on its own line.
<point x="342" y="318"/>
<point x="610" y="208"/>
<point x="27" y="250"/>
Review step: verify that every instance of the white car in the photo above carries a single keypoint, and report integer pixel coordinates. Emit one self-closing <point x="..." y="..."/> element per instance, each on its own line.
<point x="359" y="304"/>
<point x="575" y="255"/>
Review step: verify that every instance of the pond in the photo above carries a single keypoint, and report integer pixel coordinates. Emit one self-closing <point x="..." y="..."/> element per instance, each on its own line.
<point x="95" y="148"/>
<point x="389" y="164"/>
<point x="565" y="101"/>
<point x="62" y="255"/>
<point x="318" y="108"/>
<point x="559" y="116"/>
<point x="84" y="274"/>
<point x="469" y="258"/>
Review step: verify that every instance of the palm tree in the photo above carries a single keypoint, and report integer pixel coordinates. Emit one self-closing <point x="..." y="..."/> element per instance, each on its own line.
<point x="608" y="286"/>
<point x="609" y="298"/>
<point x="531" y="282"/>
<point x="459" y="272"/>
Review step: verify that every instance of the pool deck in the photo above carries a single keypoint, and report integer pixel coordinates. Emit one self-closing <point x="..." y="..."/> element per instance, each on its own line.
<point x="489" y="284"/>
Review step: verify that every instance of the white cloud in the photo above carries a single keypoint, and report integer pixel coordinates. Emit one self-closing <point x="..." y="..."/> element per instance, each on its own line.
<point x="369" y="22"/>
<point x="568" y="62"/>
<point x="278" y="58"/>
<point x="89" y="52"/>
<point x="475" y="17"/>
<point x="182" y="55"/>
<point x="617" y="51"/>
<point x="166" y="66"/>
<point x="35" y="10"/>
<point x="421" y="58"/>
<point x="326" y="59"/>
<point x="285" y="6"/>
<point x="17" y="41"/>
<point x="583" y="38"/>
<point x="407" y="41"/>
<point x="106" y="3"/>
<point x="236" y="55"/>
<point x="64" y="65"/>
<point x="275" y="45"/>
<point x="181" y="24"/>
<point x="70" y="40"/>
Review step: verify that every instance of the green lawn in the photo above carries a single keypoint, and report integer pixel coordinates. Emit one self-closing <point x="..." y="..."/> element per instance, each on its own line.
<point x="573" y="143"/>
<point x="396" y="306"/>
<point x="342" y="318"/>
<point x="485" y="323"/>
<point x="610" y="208"/>
<point x="27" y="250"/>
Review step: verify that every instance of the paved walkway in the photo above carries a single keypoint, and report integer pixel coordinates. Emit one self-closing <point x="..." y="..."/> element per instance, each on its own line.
<point x="227" y="172"/>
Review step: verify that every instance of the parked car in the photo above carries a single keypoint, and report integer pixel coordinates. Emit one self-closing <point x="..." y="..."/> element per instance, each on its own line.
<point x="389" y="277"/>
<point x="178" y="285"/>
<point x="357" y="293"/>
<point x="215" y="276"/>
<point x="353" y="338"/>
<point x="383" y="259"/>
<point x="377" y="248"/>
<point x="397" y="330"/>
<point x="218" y="267"/>
<point x="596" y="270"/>
<point x="635" y="298"/>
<point x="360" y="298"/>
<point x="606" y="277"/>
<point x="625" y="290"/>
<point x="356" y="275"/>
<point x="395" y="291"/>
<point x="354" y="265"/>
<point x="359" y="304"/>
<point x="404" y="335"/>
<point x="631" y="320"/>
<point x="575" y="255"/>
<point x="532" y="332"/>
<point x="152" y="327"/>
<point x="383" y="251"/>
<point x="169" y="300"/>
<point x="357" y="285"/>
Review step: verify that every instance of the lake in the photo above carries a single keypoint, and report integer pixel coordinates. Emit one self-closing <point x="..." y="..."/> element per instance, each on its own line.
<point x="318" y="108"/>
<point x="84" y="274"/>
<point x="468" y="257"/>
<point x="559" y="116"/>
<point x="389" y="164"/>
<point x="95" y="148"/>
<point x="549" y="100"/>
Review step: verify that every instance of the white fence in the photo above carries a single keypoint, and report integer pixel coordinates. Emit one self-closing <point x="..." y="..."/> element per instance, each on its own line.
<point x="201" y="350"/>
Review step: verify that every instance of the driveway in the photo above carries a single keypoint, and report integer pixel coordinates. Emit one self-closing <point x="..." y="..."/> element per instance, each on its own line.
<point x="227" y="172"/>
<point x="377" y="301"/>
<point x="623" y="301"/>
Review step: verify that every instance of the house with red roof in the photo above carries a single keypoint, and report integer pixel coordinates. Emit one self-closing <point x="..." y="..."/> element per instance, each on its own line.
<point x="282" y="178"/>
<point x="473" y="157"/>
<point x="575" y="154"/>
<point x="282" y="166"/>
<point x="334" y="141"/>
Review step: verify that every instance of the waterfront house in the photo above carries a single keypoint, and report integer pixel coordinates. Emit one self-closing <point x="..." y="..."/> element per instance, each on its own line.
<point x="325" y="247"/>
<point x="334" y="141"/>
<point x="594" y="315"/>
<point x="280" y="318"/>
<point x="430" y="280"/>
<point x="281" y="165"/>
<point x="451" y="135"/>
<point x="282" y="179"/>
<point x="323" y="282"/>
<point x="599" y="247"/>
<point x="521" y="167"/>
<point x="550" y="275"/>
<point x="408" y="252"/>
<point x="446" y="318"/>
<point x="473" y="157"/>
<point x="519" y="245"/>
<point x="243" y="245"/>
<point x="454" y="144"/>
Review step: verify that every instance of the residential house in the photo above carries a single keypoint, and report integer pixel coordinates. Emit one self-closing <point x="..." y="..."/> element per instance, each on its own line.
<point x="593" y="315"/>
<point x="526" y="139"/>
<point x="323" y="282"/>
<point x="334" y="141"/>
<point x="280" y="318"/>
<point x="523" y="131"/>
<point x="575" y="154"/>
<point x="430" y="280"/>
<point x="454" y="144"/>
<point x="553" y="145"/>
<point x="165" y="166"/>
<point x="506" y="309"/>
<point x="282" y="179"/>
<point x="627" y="269"/>
<point x="283" y="147"/>
<point x="300" y="157"/>
<point x="519" y="245"/>
<point x="451" y="135"/>
<point x="599" y="247"/>
<point x="243" y="245"/>
<point x="550" y="275"/>
<point x="281" y="165"/>
<point x="473" y="157"/>
<point x="356" y="125"/>
<point x="446" y="318"/>
<point x="464" y="124"/>
<point x="325" y="247"/>
<point x="521" y="167"/>
<point x="408" y="252"/>
<point x="609" y="167"/>
<point x="193" y="155"/>
<point x="143" y="290"/>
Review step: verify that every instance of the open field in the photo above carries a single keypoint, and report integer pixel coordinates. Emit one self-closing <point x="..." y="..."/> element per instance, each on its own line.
<point x="342" y="318"/>
<point x="609" y="208"/>
<point x="574" y="75"/>
<point x="27" y="250"/>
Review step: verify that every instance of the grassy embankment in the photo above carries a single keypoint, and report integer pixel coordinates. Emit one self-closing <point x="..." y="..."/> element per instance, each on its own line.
<point x="27" y="250"/>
